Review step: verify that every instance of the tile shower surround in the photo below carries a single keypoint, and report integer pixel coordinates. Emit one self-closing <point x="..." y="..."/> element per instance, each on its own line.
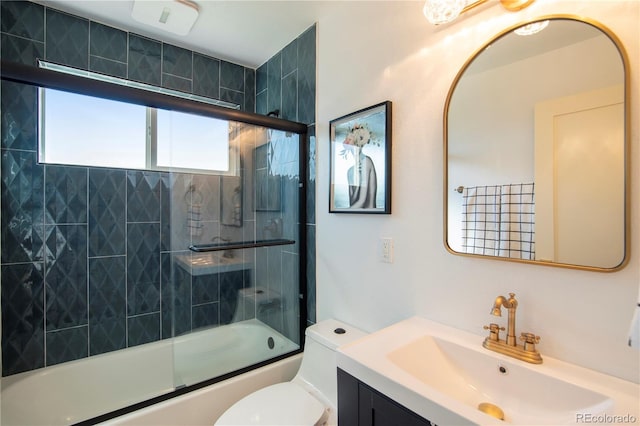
<point x="115" y="219"/>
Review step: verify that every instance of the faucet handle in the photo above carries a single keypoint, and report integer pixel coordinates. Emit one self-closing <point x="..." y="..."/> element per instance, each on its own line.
<point x="494" y="331"/>
<point x="530" y="341"/>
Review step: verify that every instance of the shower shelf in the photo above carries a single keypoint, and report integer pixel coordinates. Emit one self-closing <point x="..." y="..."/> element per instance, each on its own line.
<point x="199" y="248"/>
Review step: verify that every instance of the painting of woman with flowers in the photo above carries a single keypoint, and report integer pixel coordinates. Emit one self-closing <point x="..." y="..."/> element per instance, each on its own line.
<point x="360" y="161"/>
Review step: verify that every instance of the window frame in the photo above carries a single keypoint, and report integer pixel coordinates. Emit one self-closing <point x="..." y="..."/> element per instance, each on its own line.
<point x="151" y="125"/>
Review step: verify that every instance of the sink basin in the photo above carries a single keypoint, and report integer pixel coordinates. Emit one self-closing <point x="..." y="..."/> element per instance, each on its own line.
<point x="444" y="374"/>
<point x="473" y="377"/>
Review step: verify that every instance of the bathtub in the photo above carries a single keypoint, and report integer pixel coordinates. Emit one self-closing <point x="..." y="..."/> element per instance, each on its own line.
<point x="79" y="390"/>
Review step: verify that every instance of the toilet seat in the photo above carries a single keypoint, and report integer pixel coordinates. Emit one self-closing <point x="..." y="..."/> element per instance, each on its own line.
<point x="280" y="404"/>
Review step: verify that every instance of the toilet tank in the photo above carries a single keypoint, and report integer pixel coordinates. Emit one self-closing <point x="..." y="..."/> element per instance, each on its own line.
<point x="319" y="363"/>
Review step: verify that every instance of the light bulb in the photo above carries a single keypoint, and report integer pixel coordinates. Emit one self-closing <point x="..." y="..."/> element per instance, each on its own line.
<point x="443" y="11"/>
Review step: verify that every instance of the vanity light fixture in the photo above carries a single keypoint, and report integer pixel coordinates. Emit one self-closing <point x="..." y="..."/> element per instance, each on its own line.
<point x="443" y="11"/>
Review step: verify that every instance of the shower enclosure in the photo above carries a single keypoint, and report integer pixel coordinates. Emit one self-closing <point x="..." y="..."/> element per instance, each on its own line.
<point x="190" y="267"/>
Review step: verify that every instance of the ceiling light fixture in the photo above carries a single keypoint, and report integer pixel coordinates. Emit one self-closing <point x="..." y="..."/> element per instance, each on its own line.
<point x="443" y="11"/>
<point x="174" y="16"/>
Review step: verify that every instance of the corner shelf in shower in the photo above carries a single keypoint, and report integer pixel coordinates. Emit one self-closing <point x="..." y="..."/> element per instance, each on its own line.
<point x="200" y="248"/>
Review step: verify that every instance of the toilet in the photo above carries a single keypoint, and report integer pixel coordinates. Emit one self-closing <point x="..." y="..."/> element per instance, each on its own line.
<point x="311" y="397"/>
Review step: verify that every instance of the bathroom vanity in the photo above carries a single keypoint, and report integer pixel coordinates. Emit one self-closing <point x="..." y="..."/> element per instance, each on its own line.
<point x="361" y="405"/>
<point x="428" y="373"/>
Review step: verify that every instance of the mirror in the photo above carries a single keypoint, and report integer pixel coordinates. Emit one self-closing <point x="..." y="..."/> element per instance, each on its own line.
<point x="535" y="146"/>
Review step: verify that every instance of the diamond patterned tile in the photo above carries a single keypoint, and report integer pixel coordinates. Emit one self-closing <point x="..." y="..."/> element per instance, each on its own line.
<point x="311" y="176"/>
<point x="290" y="58"/>
<point x="22" y="207"/>
<point x="19" y="122"/>
<point x="22" y="317"/>
<point x="205" y="288"/>
<point x="107" y="288"/>
<point x="143" y="267"/>
<point x="66" y="276"/>
<point x="145" y="62"/>
<point x="176" y="83"/>
<point x="107" y="207"/>
<point x="174" y="211"/>
<point x="177" y="61"/>
<point x="307" y="76"/>
<point x="143" y="196"/>
<point x="232" y="96"/>
<point x="311" y="273"/>
<point x="65" y="194"/>
<point x="209" y="188"/>
<point x="261" y="102"/>
<point x="230" y="284"/>
<point x="67" y="39"/>
<point x="143" y="252"/>
<point x="143" y="329"/>
<point x="23" y="19"/>
<point x="289" y="109"/>
<point x="67" y="345"/>
<point x="143" y="297"/>
<point x="176" y="297"/>
<point x="21" y="50"/>
<point x="261" y="77"/>
<point x="107" y="335"/>
<point x="274" y="82"/>
<point x="107" y="66"/>
<point x="231" y="76"/>
<point x="108" y="42"/>
<point x="107" y="304"/>
<point x="206" y="315"/>
<point x="206" y="76"/>
<point x="249" y="90"/>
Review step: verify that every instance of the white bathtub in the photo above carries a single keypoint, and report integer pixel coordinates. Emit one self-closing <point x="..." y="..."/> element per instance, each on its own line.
<point x="79" y="390"/>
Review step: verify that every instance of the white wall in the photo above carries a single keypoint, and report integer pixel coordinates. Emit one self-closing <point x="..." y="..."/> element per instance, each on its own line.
<point x="371" y="52"/>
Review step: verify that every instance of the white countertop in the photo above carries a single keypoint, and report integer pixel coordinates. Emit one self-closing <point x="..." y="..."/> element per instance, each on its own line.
<point x="368" y="359"/>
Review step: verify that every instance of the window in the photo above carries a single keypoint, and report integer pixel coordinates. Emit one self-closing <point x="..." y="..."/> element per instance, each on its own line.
<point x="89" y="131"/>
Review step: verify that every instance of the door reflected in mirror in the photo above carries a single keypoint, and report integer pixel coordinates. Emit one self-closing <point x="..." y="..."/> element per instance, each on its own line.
<point x="536" y="166"/>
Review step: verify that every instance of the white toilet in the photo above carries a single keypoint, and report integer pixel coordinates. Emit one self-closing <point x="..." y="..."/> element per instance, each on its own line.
<point x="310" y="399"/>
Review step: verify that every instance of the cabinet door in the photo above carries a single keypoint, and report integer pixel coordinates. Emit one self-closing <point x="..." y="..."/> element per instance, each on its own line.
<point x="386" y="412"/>
<point x="361" y="405"/>
<point x="348" y="404"/>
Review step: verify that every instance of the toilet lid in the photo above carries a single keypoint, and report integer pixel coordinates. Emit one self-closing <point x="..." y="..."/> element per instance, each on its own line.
<point x="279" y="404"/>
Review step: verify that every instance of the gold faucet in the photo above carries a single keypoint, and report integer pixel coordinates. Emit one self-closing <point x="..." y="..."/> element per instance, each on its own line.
<point x="526" y="352"/>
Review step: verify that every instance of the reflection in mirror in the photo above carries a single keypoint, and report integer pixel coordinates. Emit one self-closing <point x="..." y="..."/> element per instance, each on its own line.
<point x="535" y="149"/>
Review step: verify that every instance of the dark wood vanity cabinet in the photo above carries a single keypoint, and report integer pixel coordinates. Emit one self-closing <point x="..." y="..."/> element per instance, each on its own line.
<point x="361" y="405"/>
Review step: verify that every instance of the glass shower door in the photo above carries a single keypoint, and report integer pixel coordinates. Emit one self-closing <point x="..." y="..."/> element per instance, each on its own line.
<point x="230" y="282"/>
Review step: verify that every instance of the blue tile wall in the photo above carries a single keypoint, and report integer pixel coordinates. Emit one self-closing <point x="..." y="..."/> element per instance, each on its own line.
<point x="66" y="39"/>
<point x="66" y="276"/>
<point x="22" y="317"/>
<point x="107" y="210"/>
<point x="143" y="329"/>
<point x="88" y="265"/>
<point x="107" y="50"/>
<point x="107" y="304"/>
<point x="287" y="82"/>
<point x="145" y="60"/>
<point x="67" y="345"/>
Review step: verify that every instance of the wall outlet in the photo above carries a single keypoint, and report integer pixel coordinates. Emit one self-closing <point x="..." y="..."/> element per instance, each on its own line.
<point x="386" y="250"/>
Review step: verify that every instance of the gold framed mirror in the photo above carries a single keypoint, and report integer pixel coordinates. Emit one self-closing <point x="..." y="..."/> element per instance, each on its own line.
<point x="536" y="148"/>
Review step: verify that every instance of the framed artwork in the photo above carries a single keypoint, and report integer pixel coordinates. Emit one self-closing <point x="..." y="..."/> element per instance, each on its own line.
<point x="360" y="161"/>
